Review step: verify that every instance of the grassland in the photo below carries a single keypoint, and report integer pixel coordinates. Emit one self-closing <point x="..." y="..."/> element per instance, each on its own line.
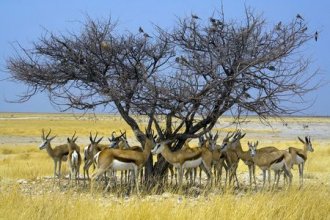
<point x="27" y="192"/>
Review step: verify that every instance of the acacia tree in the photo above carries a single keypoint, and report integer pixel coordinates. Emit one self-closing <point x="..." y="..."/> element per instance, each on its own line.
<point x="189" y="76"/>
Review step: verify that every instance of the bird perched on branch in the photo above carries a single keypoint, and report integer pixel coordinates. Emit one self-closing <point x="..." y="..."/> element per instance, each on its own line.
<point x="278" y="26"/>
<point x="213" y="20"/>
<point x="298" y="16"/>
<point x="194" y="16"/>
<point x="316" y="35"/>
<point x="141" y="30"/>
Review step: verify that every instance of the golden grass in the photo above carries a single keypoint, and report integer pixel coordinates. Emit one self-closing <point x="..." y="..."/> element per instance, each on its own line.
<point x="26" y="161"/>
<point x="309" y="203"/>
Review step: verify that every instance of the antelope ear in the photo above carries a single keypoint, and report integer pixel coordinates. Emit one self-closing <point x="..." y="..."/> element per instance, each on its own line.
<point x="301" y="140"/>
<point x="74" y="140"/>
<point x="52" y="138"/>
<point x="68" y="139"/>
<point x="309" y="139"/>
<point x="90" y="138"/>
<point x="257" y="143"/>
<point x="243" y="136"/>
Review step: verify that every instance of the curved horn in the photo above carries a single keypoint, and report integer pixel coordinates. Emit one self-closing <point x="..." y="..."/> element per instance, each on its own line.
<point x="95" y="137"/>
<point x="43" y="134"/>
<point x="50" y="130"/>
<point x="74" y="134"/>
<point x="122" y="134"/>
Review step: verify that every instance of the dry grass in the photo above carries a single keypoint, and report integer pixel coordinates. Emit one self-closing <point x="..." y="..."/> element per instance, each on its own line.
<point x="39" y="199"/>
<point x="310" y="203"/>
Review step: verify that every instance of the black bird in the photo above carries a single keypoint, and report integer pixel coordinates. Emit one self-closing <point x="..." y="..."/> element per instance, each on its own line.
<point x="141" y="30"/>
<point x="278" y="26"/>
<point x="213" y="20"/>
<point x="194" y="16"/>
<point x="305" y="29"/>
<point x="298" y="16"/>
<point x="316" y="35"/>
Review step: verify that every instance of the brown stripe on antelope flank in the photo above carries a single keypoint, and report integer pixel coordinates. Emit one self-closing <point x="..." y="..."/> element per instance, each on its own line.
<point x="277" y="160"/>
<point x="124" y="160"/>
<point x="195" y="157"/>
<point x="301" y="155"/>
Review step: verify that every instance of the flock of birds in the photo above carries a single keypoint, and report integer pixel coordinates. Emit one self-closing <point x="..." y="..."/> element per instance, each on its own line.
<point x="210" y="157"/>
<point x="217" y="22"/>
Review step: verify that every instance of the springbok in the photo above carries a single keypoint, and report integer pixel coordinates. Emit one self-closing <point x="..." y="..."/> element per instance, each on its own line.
<point x="118" y="159"/>
<point x="58" y="153"/>
<point x="245" y="156"/>
<point x="121" y="142"/>
<point x="185" y="159"/>
<point x="299" y="156"/>
<point x="277" y="160"/>
<point x="191" y="172"/>
<point x="231" y="158"/>
<point x="74" y="159"/>
<point x="90" y="151"/>
<point x="218" y="159"/>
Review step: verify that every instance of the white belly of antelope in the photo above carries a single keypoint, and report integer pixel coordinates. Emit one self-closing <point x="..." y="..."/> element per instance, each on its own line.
<point x="299" y="159"/>
<point x="118" y="165"/>
<point x="277" y="166"/>
<point x="192" y="163"/>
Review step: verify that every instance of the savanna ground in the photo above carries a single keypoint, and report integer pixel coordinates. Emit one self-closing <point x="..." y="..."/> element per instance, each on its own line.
<point x="28" y="192"/>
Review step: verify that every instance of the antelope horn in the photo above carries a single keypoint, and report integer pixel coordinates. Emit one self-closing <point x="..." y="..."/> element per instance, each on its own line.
<point x="74" y="134"/>
<point x="122" y="134"/>
<point x="43" y="134"/>
<point x="50" y="130"/>
<point x="95" y="137"/>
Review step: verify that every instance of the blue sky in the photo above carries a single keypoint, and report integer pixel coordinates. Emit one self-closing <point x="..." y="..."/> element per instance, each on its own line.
<point x="25" y="21"/>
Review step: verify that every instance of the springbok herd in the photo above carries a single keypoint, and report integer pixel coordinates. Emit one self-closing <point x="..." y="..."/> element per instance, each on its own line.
<point x="210" y="157"/>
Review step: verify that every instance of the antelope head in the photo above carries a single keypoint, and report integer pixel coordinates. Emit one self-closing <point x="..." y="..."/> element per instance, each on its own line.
<point x="159" y="146"/>
<point x="72" y="140"/>
<point x="93" y="141"/>
<point x="213" y="140"/>
<point x="236" y="139"/>
<point x="45" y="140"/>
<point x="253" y="148"/>
<point x="307" y="143"/>
<point x="114" y="141"/>
<point x="225" y="142"/>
